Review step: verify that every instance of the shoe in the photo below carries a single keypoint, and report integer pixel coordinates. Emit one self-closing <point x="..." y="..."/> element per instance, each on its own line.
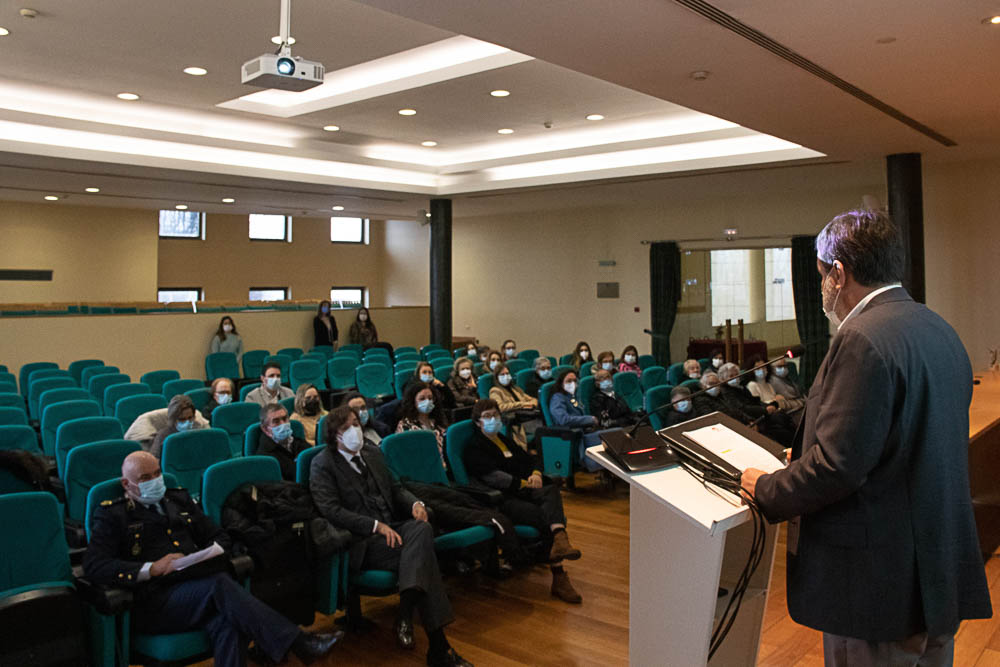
<point x="309" y="646"/>
<point x="563" y="589"/>
<point x="561" y="548"/>
<point x="448" y="659"/>
<point x="403" y="630"/>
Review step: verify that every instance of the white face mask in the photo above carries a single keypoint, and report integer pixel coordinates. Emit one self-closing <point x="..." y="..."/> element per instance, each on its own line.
<point x="694" y="375"/>
<point x="629" y="358"/>
<point x="510" y="352"/>
<point x="227" y="328"/>
<point x="780" y="371"/>
<point x="831" y="314"/>
<point x="570" y="387"/>
<point x="465" y="373"/>
<point x="584" y="354"/>
<point x="351" y="439"/>
<point x="716" y="363"/>
<point x="273" y="382"/>
<point x="504" y="379"/>
<point x="363" y="317"/>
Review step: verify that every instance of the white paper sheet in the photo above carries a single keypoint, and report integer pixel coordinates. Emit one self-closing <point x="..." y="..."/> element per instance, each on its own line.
<point x="736" y="450"/>
<point x="199" y="556"/>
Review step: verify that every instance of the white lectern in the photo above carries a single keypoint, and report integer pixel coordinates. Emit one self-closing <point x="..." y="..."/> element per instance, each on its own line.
<point x="685" y="542"/>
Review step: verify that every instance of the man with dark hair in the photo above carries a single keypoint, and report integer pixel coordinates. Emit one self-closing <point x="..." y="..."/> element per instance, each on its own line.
<point x="278" y="440"/>
<point x="270" y="390"/>
<point x="883" y="555"/>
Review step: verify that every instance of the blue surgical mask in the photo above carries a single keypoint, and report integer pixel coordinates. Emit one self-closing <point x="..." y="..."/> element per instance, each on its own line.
<point x="545" y="373"/>
<point x="185" y="426"/>
<point x="325" y="309"/>
<point x="607" y="365"/>
<point x="363" y="417"/>
<point x="735" y="382"/>
<point x="281" y="432"/>
<point x="494" y="364"/>
<point x="759" y="373"/>
<point x="273" y="382"/>
<point x="151" y="491"/>
<point x="714" y="391"/>
<point x="683" y="406"/>
<point x="425" y="406"/>
<point x="472" y="353"/>
<point x="781" y="371"/>
<point x="504" y="379"/>
<point x="607" y="385"/>
<point x="510" y="352"/>
<point x="492" y="425"/>
<point x="427" y="377"/>
<point x="694" y="375"/>
<point x="223" y="399"/>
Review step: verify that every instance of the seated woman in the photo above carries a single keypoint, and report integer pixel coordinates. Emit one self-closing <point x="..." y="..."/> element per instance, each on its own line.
<point x="692" y="369"/>
<point x="794" y="397"/>
<point x="515" y="405"/>
<point x="605" y="361"/>
<point x="681" y="409"/>
<point x="421" y="410"/>
<point x="741" y="405"/>
<point x="491" y="360"/>
<point x="308" y="410"/>
<point x="324" y="326"/>
<point x="581" y="354"/>
<point x="528" y="498"/>
<point x="424" y="374"/>
<point x="710" y="401"/>
<point x="226" y="339"/>
<point x="609" y="408"/>
<point x="718" y="358"/>
<point x="372" y="429"/>
<point x="509" y="348"/>
<point x="222" y="394"/>
<point x="278" y="441"/>
<point x="567" y="412"/>
<point x="472" y="352"/>
<point x="363" y="331"/>
<point x="462" y="383"/>
<point x="543" y="373"/>
<point x="630" y="360"/>
<point x="180" y="418"/>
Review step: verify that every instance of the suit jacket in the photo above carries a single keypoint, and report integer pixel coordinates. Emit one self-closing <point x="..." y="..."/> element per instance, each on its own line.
<point x="887" y="544"/>
<point x="286" y="459"/>
<point x="484" y="460"/>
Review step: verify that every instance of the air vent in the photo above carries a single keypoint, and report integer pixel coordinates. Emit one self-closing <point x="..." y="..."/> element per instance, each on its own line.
<point x="26" y="274"/>
<point x="251" y="67"/>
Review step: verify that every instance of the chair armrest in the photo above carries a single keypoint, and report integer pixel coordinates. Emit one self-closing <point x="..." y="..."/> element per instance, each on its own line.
<point x="487" y="496"/>
<point x="242" y="566"/>
<point x="564" y="432"/>
<point x="107" y="600"/>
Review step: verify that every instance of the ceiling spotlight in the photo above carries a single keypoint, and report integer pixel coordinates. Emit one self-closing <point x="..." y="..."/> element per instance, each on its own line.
<point x="228" y="200"/>
<point x="4" y="32"/>
<point x="407" y="112"/>
<point x="429" y="144"/>
<point x="51" y="198"/>
<point x="332" y="128"/>
<point x="505" y="130"/>
<point x="92" y="189"/>
<point x="595" y="116"/>
<point x="195" y="71"/>
<point x="700" y="75"/>
<point x="277" y="40"/>
<point x="499" y="93"/>
<point x="991" y="20"/>
<point x="131" y="97"/>
<point x="181" y="207"/>
<point x="338" y="208"/>
<point x="427" y="215"/>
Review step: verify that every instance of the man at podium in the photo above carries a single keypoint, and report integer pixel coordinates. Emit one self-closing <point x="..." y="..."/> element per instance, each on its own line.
<point x="883" y="556"/>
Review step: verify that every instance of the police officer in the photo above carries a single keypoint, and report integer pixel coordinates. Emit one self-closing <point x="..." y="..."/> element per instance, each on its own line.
<point x="135" y="543"/>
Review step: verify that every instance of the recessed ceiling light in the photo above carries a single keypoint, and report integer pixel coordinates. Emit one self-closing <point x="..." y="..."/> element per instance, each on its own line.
<point x="427" y="215"/>
<point x="992" y="20"/>
<point x="338" y="208"/>
<point x="228" y="200"/>
<point x="277" y="40"/>
<point x="181" y="207"/>
<point x="332" y="128"/>
<point x="505" y="130"/>
<point x="595" y="116"/>
<point x="131" y="97"/>
<point x="429" y="144"/>
<point x="499" y="93"/>
<point x="92" y="189"/>
<point x="4" y="32"/>
<point x="195" y="71"/>
<point x="51" y="198"/>
<point x="407" y="112"/>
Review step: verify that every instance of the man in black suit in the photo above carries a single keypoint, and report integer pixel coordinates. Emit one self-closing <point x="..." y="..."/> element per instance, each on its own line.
<point x="354" y="489"/>
<point x="883" y="555"/>
<point x="135" y="543"/>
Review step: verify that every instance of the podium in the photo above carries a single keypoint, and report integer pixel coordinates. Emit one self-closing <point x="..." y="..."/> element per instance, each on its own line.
<point x="685" y="542"/>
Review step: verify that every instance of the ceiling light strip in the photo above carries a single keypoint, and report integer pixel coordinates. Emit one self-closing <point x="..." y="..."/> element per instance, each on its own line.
<point x="723" y="19"/>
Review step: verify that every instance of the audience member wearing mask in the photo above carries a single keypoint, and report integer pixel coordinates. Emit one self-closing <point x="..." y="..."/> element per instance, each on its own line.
<point x="424" y="374"/>
<point x="681" y="410"/>
<point x="566" y="411"/>
<point x="543" y="373"/>
<point x="462" y="383"/>
<point x="308" y="410"/>
<point x="529" y="498"/>
<point x="509" y="349"/>
<point x="515" y="405"/>
<point x="609" y="408"/>
<point x="270" y="390"/>
<point x="372" y="429"/>
<point x="277" y="439"/>
<point x="761" y="387"/>
<point x="491" y="359"/>
<point x="180" y="418"/>
<point x="717" y="359"/>
<point x="630" y="361"/>
<point x="711" y="400"/>
<point x="222" y="394"/>
<point x="605" y="362"/>
<point x="363" y="331"/>
<point x="741" y="405"/>
<point x="324" y="326"/>
<point x="692" y="370"/>
<point x="783" y="385"/>
<point x="226" y="339"/>
<point x="581" y="355"/>
<point x="421" y="410"/>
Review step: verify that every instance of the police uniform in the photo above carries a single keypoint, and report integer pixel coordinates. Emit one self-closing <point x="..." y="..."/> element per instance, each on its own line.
<point x="125" y="535"/>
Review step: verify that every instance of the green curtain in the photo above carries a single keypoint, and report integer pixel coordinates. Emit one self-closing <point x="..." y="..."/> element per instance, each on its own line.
<point x="665" y="293"/>
<point x="814" y="328"/>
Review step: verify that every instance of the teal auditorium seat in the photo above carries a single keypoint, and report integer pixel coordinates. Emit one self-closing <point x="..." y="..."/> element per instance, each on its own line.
<point x="12" y="399"/>
<point x="200" y="397"/>
<point x="430" y="346"/>
<point x="405" y="349"/>
<point x="13" y="416"/>
<point x="566" y="359"/>
<point x="19" y="437"/>
<point x="325" y="350"/>
<point x="484" y="383"/>
<point x="675" y="373"/>
<point x="704" y="363"/>
<point x="156" y="379"/>
<point x="118" y="391"/>
<point x="27" y="369"/>
<point x="58" y="414"/>
<point x="693" y="385"/>
<point x="252" y="437"/>
<point x="655" y="398"/>
<point x="43" y="373"/>
<point x="253" y="362"/>
<point x="91" y="371"/>
<point x="303" y="463"/>
<point x="401" y="378"/>
<point x="76" y="368"/>
<point x="406" y="365"/>
<point x="288" y="403"/>
<point x="379" y="359"/>
<point x="173" y="388"/>
<point x="645" y="361"/>
<point x="628" y="387"/>
<point x="528" y="355"/>
<point x="374" y="380"/>
<point x="44" y="384"/>
<point x="8" y="387"/>
<point x="284" y="361"/>
<point x="517" y="365"/>
<point x="585" y="389"/>
<point x="340" y="373"/>
<point x="292" y="352"/>
<point x="246" y="389"/>
<point x="307" y="371"/>
<point x="222" y="478"/>
<point x="61" y="394"/>
<point x="560" y="369"/>
<point x="558" y="443"/>
<point x="653" y="376"/>
<point x="234" y="419"/>
<point x="443" y="373"/>
<point x="128" y="409"/>
<point x="585" y="368"/>
<point x="99" y="383"/>
<point x="354" y="347"/>
<point x="82" y="431"/>
<point x="319" y="357"/>
<point x="186" y="455"/>
<point x="442" y="362"/>
<point x="524" y="377"/>
<point x="221" y="365"/>
<point x="90" y="464"/>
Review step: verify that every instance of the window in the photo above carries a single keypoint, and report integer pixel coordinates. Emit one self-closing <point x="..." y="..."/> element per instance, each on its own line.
<point x="349" y="230"/>
<point x="730" y="286"/>
<point x="270" y="227"/>
<point x="268" y="293"/>
<point x="181" y="224"/>
<point x="174" y="294"/>
<point x="348" y="297"/>
<point x="780" y="303"/>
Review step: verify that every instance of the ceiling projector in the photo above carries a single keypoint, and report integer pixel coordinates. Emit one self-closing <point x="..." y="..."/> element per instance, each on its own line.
<point x="281" y="71"/>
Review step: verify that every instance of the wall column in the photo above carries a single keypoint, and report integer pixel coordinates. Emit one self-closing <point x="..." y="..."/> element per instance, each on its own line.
<point x="441" y="272"/>
<point x="906" y="206"/>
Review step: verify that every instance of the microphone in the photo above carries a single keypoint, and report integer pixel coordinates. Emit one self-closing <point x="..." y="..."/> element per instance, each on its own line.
<point x="654" y="334"/>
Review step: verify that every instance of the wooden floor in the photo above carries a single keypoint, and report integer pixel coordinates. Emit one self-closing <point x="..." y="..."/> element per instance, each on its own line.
<point x="517" y="622"/>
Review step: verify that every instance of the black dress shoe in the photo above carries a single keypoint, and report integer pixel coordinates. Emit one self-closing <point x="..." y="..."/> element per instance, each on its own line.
<point x="309" y="646"/>
<point x="448" y="659"/>
<point x="404" y="633"/>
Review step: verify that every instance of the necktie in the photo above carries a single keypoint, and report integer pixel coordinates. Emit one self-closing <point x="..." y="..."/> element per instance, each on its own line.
<point x="356" y="460"/>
